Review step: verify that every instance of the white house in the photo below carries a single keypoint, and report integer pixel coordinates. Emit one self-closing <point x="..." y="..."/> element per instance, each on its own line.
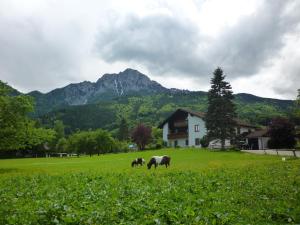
<point x="185" y="128"/>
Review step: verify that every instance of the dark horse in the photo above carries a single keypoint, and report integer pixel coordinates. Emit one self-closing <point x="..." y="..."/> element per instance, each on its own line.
<point x="137" y="161"/>
<point x="159" y="160"/>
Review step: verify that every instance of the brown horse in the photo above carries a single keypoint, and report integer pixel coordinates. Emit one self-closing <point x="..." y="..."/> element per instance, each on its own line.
<point x="159" y="160"/>
<point x="137" y="161"/>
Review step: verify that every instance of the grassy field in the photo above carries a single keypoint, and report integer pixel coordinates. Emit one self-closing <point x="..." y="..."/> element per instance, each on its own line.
<point x="200" y="187"/>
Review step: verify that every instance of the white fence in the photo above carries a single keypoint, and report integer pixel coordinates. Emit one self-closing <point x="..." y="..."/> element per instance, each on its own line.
<point x="283" y="152"/>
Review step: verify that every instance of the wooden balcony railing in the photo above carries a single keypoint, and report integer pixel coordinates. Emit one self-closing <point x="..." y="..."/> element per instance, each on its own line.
<point x="177" y="135"/>
<point x="182" y="123"/>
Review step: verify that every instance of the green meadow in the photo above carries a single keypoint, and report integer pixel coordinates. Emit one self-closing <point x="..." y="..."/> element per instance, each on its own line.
<point x="200" y="187"/>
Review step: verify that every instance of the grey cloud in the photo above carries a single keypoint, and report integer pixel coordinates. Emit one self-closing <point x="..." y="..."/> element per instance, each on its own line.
<point x="33" y="57"/>
<point x="170" y="44"/>
<point x="250" y="45"/>
<point x="289" y="80"/>
<point x="161" y="42"/>
<point x="43" y="50"/>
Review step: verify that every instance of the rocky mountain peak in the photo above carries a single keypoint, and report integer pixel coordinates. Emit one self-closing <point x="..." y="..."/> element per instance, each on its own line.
<point x="127" y="82"/>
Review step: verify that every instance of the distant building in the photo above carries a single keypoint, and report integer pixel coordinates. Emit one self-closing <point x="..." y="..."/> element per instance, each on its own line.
<point x="185" y="128"/>
<point x="258" y="139"/>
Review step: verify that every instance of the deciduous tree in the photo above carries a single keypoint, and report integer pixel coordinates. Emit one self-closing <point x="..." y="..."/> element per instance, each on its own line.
<point x="17" y="130"/>
<point x="282" y="133"/>
<point x="141" y="135"/>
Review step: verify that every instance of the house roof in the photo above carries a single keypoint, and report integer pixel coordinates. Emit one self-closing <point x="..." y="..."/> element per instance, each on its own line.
<point x="259" y="133"/>
<point x="194" y="113"/>
<point x="202" y="115"/>
<point x="244" y="124"/>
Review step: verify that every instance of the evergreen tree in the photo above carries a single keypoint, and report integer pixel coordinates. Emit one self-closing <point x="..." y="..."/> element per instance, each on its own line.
<point x="123" y="133"/>
<point x="220" y="115"/>
<point x="297" y="105"/>
<point x="296" y="116"/>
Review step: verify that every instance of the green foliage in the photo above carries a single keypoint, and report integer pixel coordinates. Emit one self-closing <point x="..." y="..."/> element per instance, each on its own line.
<point x="282" y="133"/>
<point x="59" y="128"/>
<point x="17" y="130"/>
<point x="83" y="117"/>
<point x="153" y="109"/>
<point x="38" y="135"/>
<point x="82" y="142"/>
<point x="204" y="141"/>
<point x="219" y="120"/>
<point x="200" y="187"/>
<point x="296" y="110"/>
<point x="156" y="140"/>
<point x="91" y="142"/>
<point x="105" y="143"/>
<point x="123" y="132"/>
<point x="61" y="145"/>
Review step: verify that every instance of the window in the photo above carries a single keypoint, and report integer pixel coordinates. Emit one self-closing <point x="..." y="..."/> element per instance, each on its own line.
<point x="197" y="141"/>
<point x="175" y="143"/>
<point x="186" y="142"/>
<point x="196" y="128"/>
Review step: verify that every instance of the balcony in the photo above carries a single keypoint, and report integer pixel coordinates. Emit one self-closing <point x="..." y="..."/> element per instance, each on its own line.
<point x="182" y="123"/>
<point x="178" y="135"/>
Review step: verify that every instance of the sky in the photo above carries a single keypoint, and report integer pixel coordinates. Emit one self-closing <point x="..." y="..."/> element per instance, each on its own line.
<point x="46" y="44"/>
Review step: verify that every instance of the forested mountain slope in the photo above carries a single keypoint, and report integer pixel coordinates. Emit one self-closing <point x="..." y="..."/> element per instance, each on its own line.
<point x="153" y="109"/>
<point x="133" y="95"/>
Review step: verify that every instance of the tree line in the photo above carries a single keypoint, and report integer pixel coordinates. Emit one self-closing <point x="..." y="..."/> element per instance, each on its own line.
<point x="19" y="132"/>
<point x="22" y="134"/>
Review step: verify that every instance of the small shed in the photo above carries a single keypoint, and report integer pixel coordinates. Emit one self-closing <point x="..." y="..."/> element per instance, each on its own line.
<point x="258" y="139"/>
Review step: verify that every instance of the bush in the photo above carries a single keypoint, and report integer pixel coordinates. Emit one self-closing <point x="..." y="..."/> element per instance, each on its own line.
<point x="204" y="141"/>
<point x="121" y="146"/>
<point x="92" y="142"/>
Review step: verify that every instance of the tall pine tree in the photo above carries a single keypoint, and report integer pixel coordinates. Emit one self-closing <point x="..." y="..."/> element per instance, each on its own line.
<point x="219" y="120"/>
<point x="123" y="133"/>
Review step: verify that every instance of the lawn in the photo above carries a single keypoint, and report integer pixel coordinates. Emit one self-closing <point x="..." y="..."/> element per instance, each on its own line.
<point x="200" y="187"/>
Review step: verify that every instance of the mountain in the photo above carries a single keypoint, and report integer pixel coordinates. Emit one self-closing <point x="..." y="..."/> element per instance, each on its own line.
<point x="131" y="94"/>
<point x="11" y="90"/>
<point x="153" y="109"/>
<point x="127" y="83"/>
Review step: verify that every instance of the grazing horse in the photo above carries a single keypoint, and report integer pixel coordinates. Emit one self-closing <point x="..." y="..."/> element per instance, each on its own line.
<point x="138" y="161"/>
<point x="159" y="160"/>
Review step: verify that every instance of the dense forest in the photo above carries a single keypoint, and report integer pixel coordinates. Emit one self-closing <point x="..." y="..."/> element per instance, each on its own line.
<point x="153" y="109"/>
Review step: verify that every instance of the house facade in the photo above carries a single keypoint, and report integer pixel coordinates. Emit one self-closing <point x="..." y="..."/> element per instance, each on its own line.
<point x="185" y="128"/>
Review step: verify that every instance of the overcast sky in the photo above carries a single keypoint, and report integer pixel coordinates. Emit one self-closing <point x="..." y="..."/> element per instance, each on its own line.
<point x="49" y="44"/>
